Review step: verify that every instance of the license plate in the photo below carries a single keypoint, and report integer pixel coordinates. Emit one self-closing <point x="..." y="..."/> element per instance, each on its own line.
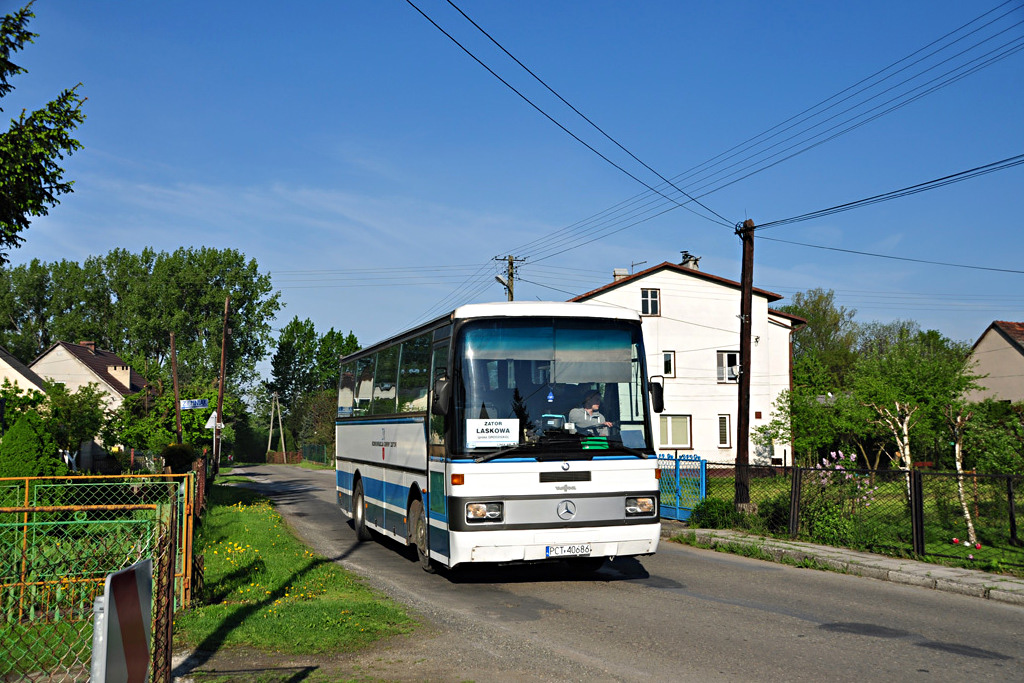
<point x="577" y="550"/>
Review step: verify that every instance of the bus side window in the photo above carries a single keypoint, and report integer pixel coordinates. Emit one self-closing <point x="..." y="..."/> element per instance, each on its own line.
<point x="439" y="368"/>
<point x="414" y="375"/>
<point x="346" y="390"/>
<point x="364" y="383"/>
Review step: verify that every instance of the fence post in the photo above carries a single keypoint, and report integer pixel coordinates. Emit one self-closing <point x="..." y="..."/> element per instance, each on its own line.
<point x="794" y="502"/>
<point x="916" y="512"/>
<point x="1013" y="513"/>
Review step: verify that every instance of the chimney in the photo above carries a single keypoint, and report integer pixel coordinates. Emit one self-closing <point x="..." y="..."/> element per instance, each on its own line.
<point x="690" y="261"/>
<point x="122" y="373"/>
<point x="91" y="345"/>
<point x="619" y="274"/>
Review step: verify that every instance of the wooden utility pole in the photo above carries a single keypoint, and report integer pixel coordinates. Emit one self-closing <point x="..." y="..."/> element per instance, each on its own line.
<point x="177" y="397"/>
<point x="509" y="281"/>
<point x="220" y="389"/>
<point x="746" y="234"/>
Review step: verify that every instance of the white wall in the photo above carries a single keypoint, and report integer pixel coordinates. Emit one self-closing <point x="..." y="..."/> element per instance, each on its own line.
<point x="698" y="318"/>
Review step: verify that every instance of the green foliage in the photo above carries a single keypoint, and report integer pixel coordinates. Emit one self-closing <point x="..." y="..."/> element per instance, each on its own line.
<point x="829" y="337"/>
<point x="715" y="513"/>
<point x="72" y="417"/>
<point x="994" y="438"/>
<point x="178" y="457"/>
<point x="27" y="450"/>
<point x="827" y="523"/>
<point x="149" y="422"/>
<point x="31" y="180"/>
<point x="129" y="303"/>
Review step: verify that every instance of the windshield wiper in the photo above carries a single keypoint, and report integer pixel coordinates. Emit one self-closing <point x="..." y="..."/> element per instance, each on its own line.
<point x="498" y="453"/>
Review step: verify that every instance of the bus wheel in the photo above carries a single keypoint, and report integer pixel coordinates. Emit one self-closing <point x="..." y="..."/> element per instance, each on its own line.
<point x="418" y="534"/>
<point x="359" y="512"/>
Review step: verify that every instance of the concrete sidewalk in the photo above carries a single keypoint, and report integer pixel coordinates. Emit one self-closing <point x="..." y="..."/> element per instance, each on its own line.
<point x="998" y="587"/>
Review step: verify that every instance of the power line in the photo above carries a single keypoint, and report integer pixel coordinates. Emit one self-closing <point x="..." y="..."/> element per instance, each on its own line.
<point x="897" y="258"/>
<point x="1003" y="164"/>
<point x="526" y="99"/>
<point x="584" y="116"/>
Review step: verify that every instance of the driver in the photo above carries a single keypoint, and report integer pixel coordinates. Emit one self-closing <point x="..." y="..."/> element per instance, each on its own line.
<point x="589" y="419"/>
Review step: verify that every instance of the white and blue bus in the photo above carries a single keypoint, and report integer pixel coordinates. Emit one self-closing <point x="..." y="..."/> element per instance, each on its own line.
<point x="506" y="432"/>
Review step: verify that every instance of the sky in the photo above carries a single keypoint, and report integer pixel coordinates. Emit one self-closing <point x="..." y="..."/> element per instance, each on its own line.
<point x="375" y="170"/>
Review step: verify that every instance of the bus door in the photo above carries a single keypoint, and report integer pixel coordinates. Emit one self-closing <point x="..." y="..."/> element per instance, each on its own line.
<point x="437" y="465"/>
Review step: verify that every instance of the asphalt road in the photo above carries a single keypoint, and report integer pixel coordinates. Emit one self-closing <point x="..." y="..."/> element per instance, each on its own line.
<point x="682" y="614"/>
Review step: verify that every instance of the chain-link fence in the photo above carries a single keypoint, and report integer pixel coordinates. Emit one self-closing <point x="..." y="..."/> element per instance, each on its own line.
<point x="59" y="538"/>
<point x="320" y="453"/>
<point x="968" y="519"/>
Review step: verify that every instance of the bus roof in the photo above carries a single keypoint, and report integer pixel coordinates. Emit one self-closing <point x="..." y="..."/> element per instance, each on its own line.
<point x="508" y="309"/>
<point x="556" y="309"/>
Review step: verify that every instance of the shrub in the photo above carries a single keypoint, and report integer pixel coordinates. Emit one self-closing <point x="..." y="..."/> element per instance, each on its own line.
<point x="826" y="523"/>
<point x="715" y="513"/>
<point x="179" y="457"/>
<point x="27" y="450"/>
<point x="774" y="513"/>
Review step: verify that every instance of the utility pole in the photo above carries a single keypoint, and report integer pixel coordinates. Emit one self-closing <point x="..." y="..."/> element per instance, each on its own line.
<point x="746" y="234"/>
<point x="220" y="389"/>
<point x="509" y="282"/>
<point x="177" y="398"/>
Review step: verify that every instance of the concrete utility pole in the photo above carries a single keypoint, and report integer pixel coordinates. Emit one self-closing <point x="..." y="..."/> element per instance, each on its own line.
<point x="746" y="234"/>
<point x="509" y="281"/>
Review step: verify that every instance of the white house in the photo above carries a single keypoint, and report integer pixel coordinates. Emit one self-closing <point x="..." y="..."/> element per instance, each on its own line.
<point x="17" y="373"/>
<point x="75" y="366"/>
<point x="691" y="332"/>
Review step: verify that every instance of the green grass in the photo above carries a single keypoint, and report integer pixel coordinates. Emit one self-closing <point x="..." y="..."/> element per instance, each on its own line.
<point x="265" y="590"/>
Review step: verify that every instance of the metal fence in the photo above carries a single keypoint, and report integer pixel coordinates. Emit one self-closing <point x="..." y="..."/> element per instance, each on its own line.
<point x="323" y="454"/>
<point x="968" y="519"/>
<point x="59" y="538"/>
<point x="682" y="480"/>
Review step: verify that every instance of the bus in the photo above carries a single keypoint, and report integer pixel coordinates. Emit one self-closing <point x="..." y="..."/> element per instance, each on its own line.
<point x="511" y="432"/>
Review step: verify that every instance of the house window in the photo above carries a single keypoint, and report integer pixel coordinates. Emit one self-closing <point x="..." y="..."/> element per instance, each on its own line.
<point x="724" y="432"/>
<point x="650" y="303"/>
<point x="728" y="366"/>
<point x="668" y="363"/>
<point x="675" y="431"/>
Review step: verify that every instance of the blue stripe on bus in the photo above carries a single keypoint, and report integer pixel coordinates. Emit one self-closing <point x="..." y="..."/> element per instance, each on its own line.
<point x="396" y="494"/>
<point x="344" y="480"/>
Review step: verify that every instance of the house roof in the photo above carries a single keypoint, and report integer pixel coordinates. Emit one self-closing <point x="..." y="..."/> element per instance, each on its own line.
<point x="1013" y="332"/>
<point x="795" y="319"/>
<point x="675" y="267"/>
<point x="21" y="368"/>
<point x="99" y="361"/>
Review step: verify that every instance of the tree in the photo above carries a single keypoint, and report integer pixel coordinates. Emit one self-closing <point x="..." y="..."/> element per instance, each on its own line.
<point x="72" y="417"/>
<point x="32" y="180"/>
<point x="830" y="335"/>
<point x="129" y="303"/>
<point x="910" y="382"/>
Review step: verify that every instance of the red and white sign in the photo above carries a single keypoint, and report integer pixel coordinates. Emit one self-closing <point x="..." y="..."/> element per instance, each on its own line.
<point x="122" y="643"/>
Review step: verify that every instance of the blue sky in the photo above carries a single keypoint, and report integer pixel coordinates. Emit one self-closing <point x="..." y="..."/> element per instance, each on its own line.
<point x="375" y="170"/>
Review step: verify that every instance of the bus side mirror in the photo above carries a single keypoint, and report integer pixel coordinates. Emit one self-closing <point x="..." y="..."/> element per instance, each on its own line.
<point x="657" y="390"/>
<point x="442" y="392"/>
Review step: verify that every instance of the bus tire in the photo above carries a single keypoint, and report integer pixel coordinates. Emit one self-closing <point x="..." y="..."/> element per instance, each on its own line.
<point x="359" y="512"/>
<point x="418" y="534"/>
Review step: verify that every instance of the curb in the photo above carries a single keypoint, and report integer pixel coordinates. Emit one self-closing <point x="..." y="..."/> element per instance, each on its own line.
<point x="970" y="582"/>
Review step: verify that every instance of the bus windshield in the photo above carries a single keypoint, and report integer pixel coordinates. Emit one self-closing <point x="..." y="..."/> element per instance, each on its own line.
<point x="550" y="388"/>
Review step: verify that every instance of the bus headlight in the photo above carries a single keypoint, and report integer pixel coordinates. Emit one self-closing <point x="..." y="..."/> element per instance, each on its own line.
<point x="484" y="512"/>
<point x="640" y="506"/>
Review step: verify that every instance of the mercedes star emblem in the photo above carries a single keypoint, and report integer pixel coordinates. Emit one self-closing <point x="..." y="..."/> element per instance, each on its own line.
<point x="566" y="510"/>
